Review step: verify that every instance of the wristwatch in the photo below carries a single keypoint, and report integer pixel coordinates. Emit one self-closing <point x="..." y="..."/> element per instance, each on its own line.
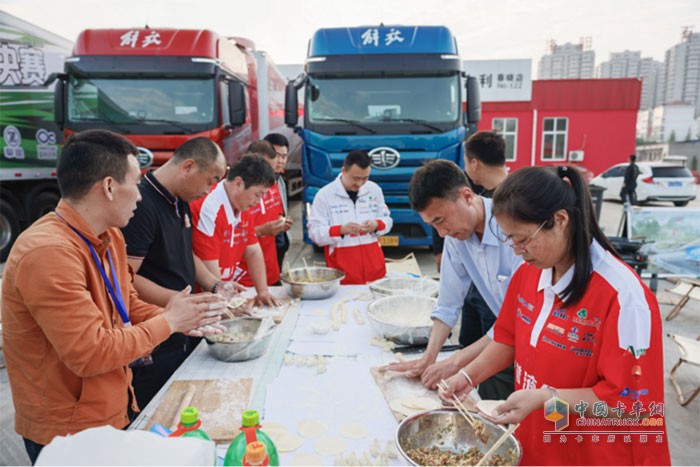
<point x="217" y="284"/>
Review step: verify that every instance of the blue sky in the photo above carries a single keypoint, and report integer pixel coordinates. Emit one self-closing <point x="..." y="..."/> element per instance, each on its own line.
<point x="495" y="29"/>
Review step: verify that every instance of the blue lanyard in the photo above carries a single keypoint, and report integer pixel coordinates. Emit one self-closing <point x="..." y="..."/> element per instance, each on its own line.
<point x="114" y="290"/>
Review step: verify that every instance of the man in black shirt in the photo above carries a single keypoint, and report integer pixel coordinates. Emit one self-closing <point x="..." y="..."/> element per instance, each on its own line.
<point x="159" y="248"/>
<point x="629" y="184"/>
<point x="281" y="145"/>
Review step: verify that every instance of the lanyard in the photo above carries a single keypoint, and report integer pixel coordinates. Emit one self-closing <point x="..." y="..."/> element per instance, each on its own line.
<point x="114" y="290"/>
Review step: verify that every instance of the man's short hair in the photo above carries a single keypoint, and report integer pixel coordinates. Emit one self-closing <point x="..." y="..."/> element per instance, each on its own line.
<point x="277" y="139"/>
<point x="436" y="179"/>
<point x="253" y="170"/>
<point x="357" y="157"/>
<point x="633" y="157"/>
<point x="262" y="148"/>
<point x="488" y="147"/>
<point x="90" y="156"/>
<point x="201" y="150"/>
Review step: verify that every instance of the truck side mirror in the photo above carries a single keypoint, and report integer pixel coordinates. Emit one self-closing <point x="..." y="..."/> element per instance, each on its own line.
<point x="59" y="103"/>
<point x="236" y="103"/>
<point x="473" y="100"/>
<point x="291" y="105"/>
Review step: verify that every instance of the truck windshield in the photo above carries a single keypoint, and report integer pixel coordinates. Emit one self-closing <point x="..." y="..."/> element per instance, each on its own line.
<point x="184" y="104"/>
<point x="417" y="101"/>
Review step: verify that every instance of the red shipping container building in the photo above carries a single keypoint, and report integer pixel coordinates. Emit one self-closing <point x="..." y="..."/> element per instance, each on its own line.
<point x="585" y="122"/>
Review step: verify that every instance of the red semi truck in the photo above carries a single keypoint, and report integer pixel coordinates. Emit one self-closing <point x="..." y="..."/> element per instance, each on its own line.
<point x="162" y="87"/>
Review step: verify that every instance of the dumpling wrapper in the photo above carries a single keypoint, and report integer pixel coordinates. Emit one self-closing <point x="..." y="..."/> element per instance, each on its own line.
<point x="488" y="406"/>
<point x="311" y="428"/>
<point x="330" y="446"/>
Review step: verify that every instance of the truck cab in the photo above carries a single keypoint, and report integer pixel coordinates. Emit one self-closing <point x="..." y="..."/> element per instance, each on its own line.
<point x="394" y="91"/>
<point x="160" y="88"/>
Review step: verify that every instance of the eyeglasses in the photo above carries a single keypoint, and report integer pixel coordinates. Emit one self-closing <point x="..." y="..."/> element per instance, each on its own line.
<point x="522" y="246"/>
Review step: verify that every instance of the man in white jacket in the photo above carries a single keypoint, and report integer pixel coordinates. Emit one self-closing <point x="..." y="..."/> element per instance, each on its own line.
<point x="347" y="216"/>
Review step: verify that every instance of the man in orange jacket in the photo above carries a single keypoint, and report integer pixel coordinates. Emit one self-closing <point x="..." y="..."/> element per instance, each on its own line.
<point x="72" y="321"/>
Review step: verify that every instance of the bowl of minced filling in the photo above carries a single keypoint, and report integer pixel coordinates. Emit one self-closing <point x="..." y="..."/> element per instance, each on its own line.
<point x="238" y="342"/>
<point x="444" y="437"/>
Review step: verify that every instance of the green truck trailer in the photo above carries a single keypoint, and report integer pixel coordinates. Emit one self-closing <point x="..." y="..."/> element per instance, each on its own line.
<point x="30" y="140"/>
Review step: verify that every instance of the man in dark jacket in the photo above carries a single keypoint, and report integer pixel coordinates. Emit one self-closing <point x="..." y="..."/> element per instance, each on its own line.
<point x="629" y="184"/>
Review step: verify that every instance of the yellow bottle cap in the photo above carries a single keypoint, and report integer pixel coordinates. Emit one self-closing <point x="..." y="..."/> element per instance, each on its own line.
<point x="255" y="452"/>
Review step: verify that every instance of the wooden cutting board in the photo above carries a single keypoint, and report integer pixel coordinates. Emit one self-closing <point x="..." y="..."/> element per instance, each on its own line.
<point x="396" y="386"/>
<point x="220" y="403"/>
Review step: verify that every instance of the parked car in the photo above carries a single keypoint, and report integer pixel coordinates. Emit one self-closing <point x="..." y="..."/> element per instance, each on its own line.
<point x="657" y="181"/>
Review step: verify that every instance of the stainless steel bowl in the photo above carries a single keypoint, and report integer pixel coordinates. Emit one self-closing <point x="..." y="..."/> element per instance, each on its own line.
<point x="404" y="319"/>
<point x="448" y="430"/>
<point x="240" y="351"/>
<point x="312" y="283"/>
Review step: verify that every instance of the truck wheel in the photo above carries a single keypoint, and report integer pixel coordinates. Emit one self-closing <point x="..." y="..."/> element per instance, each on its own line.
<point x="9" y="229"/>
<point x="43" y="203"/>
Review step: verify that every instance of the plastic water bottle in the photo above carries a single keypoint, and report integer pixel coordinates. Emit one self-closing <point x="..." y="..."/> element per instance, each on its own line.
<point x="250" y="433"/>
<point x="189" y="426"/>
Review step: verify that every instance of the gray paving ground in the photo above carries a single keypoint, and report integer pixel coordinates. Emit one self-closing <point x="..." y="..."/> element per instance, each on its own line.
<point x="683" y="422"/>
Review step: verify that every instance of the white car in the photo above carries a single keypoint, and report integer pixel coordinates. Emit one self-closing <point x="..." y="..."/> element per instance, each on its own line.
<point x="657" y="181"/>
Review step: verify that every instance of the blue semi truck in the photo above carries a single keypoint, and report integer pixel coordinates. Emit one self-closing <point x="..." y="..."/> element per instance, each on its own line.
<point x="394" y="91"/>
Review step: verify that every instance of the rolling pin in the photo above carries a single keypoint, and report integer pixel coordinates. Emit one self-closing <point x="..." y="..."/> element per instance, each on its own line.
<point x="186" y="401"/>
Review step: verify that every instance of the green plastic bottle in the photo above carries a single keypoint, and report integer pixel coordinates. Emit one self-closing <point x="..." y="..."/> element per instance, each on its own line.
<point x="189" y="426"/>
<point x="250" y="432"/>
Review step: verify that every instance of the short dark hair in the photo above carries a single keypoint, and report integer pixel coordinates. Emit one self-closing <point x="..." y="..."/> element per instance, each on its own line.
<point x="201" y="150"/>
<point x="534" y="194"/>
<point x="253" y="170"/>
<point x="277" y="139"/>
<point x="633" y="157"/>
<point x="357" y="157"/>
<point x="436" y="179"/>
<point x="90" y="156"/>
<point x="488" y="147"/>
<point x="262" y="148"/>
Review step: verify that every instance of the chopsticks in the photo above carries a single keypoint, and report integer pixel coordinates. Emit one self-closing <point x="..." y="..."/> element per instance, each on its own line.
<point x="306" y="270"/>
<point x="458" y="405"/>
<point x="498" y="443"/>
<point x="228" y="313"/>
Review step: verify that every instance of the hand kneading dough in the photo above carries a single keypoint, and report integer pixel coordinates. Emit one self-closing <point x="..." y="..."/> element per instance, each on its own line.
<point x="354" y="431"/>
<point x="311" y="428"/>
<point x="330" y="446"/>
<point x="306" y="459"/>
<point x="487" y="406"/>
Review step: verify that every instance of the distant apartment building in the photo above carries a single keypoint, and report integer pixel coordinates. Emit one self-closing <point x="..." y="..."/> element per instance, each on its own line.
<point x="682" y="72"/>
<point x="568" y="61"/>
<point x="673" y="122"/>
<point x="630" y="64"/>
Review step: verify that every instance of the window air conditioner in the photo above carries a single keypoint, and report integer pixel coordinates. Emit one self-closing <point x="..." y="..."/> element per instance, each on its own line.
<point x="575" y="156"/>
